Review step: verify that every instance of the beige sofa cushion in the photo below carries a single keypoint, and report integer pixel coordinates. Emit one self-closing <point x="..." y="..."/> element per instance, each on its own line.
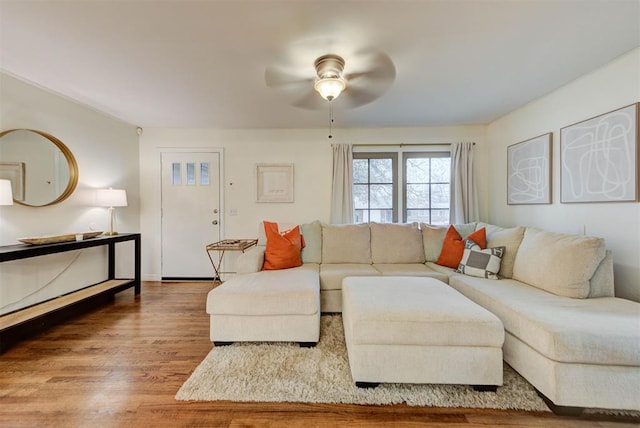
<point x="591" y="331"/>
<point x="601" y="283"/>
<point x="510" y="239"/>
<point x="559" y="263"/>
<point x="409" y="269"/>
<point x="332" y="274"/>
<point x="396" y="243"/>
<point x="433" y="237"/>
<point x="348" y="243"/>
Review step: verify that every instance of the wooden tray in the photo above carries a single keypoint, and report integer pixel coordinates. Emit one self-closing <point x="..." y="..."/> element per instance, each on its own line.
<point x="54" y="239"/>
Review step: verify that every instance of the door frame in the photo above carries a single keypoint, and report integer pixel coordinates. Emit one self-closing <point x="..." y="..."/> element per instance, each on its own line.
<point x="220" y="152"/>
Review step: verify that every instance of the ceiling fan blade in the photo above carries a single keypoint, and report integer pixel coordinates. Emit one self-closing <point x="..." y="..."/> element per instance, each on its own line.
<point x="373" y="65"/>
<point x="357" y="98"/>
<point x="310" y="101"/>
<point x="275" y="76"/>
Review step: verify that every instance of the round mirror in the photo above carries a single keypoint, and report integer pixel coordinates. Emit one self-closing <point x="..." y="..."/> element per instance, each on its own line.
<point x="41" y="168"/>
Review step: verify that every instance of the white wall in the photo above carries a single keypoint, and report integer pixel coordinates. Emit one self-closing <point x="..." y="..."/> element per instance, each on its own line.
<point x="106" y="151"/>
<point x="613" y="86"/>
<point x="310" y="152"/>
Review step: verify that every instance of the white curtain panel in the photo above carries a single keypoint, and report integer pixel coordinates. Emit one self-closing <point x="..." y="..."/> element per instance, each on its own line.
<point x="341" y="193"/>
<point x="464" y="200"/>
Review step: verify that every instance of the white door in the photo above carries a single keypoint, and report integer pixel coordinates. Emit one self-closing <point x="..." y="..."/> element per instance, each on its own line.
<point x="190" y="213"/>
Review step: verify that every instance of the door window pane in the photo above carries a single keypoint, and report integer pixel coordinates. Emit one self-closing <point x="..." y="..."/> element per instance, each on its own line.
<point x="176" y="176"/>
<point x="191" y="173"/>
<point x="204" y="174"/>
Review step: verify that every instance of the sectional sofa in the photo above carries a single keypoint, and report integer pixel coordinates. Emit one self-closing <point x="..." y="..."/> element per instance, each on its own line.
<point x="565" y="332"/>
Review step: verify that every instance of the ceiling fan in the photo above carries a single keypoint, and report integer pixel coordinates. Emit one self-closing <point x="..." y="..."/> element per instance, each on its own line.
<point x="358" y="80"/>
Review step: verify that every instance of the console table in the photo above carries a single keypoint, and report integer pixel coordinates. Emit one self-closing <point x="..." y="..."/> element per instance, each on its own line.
<point x="18" y="324"/>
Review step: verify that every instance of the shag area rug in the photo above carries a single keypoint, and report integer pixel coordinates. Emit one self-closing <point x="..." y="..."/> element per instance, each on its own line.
<point x="284" y="372"/>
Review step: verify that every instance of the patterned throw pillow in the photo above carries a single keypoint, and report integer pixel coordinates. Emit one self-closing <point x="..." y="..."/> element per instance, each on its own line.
<point x="480" y="263"/>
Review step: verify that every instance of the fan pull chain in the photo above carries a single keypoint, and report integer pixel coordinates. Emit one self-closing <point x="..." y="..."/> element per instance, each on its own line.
<point x="330" y="118"/>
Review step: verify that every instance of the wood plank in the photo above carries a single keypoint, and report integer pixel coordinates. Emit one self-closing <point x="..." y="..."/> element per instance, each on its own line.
<point x="122" y="364"/>
<point x="43" y="308"/>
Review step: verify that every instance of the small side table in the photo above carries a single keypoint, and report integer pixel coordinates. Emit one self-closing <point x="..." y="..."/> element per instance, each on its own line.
<point x="227" y="245"/>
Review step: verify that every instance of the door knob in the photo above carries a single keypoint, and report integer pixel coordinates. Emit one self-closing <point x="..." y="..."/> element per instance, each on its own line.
<point x="215" y="211"/>
<point x="214" y="222"/>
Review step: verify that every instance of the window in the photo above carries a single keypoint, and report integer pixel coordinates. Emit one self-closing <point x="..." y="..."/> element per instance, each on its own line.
<point x="374" y="187"/>
<point x="424" y="180"/>
<point x="426" y="187"/>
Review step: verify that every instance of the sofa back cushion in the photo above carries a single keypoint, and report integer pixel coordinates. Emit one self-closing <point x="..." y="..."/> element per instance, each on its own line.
<point x="396" y="243"/>
<point x="347" y="243"/>
<point x="601" y="283"/>
<point x="433" y="237"/>
<point x="312" y="232"/>
<point x="510" y="239"/>
<point x="559" y="263"/>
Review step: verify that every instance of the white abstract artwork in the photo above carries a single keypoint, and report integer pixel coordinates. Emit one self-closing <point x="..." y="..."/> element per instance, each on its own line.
<point x="599" y="158"/>
<point x="529" y="171"/>
<point x="274" y="183"/>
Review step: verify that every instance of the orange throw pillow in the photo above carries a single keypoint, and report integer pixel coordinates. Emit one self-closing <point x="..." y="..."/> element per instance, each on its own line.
<point x="283" y="249"/>
<point x="453" y="246"/>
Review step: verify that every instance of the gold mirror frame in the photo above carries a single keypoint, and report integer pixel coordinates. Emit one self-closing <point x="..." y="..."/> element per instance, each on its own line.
<point x="71" y="162"/>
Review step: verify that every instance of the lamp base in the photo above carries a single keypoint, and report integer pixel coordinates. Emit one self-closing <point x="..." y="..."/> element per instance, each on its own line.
<point x="110" y="233"/>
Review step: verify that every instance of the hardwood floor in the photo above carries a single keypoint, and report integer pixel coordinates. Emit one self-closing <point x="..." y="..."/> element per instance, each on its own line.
<point x="122" y="364"/>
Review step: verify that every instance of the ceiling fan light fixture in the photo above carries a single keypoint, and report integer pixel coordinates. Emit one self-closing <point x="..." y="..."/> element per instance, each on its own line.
<point x="330" y="88"/>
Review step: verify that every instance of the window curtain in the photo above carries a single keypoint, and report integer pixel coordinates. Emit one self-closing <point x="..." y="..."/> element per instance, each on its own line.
<point x="464" y="200"/>
<point x="341" y="193"/>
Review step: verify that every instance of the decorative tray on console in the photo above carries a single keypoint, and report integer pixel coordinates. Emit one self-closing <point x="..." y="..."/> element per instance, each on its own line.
<point x="54" y="239"/>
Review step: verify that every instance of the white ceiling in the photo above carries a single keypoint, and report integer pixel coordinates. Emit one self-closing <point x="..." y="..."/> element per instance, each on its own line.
<point x="201" y="64"/>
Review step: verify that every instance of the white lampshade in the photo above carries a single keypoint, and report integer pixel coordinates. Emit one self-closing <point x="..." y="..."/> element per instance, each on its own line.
<point x="330" y="88"/>
<point x="111" y="198"/>
<point x="6" y="195"/>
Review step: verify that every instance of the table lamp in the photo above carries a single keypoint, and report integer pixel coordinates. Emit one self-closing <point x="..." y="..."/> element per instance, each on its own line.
<point x="6" y="195"/>
<point x="111" y="198"/>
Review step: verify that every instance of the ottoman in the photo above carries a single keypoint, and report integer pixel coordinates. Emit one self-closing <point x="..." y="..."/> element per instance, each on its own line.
<point x="277" y="306"/>
<point x="419" y="330"/>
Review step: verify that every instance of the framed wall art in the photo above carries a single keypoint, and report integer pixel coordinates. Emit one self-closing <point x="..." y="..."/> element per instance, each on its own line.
<point x="599" y="158"/>
<point x="274" y="182"/>
<point x="529" y="171"/>
<point x="14" y="172"/>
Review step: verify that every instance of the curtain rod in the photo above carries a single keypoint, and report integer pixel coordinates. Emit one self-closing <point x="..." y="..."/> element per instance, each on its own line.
<point x="403" y="144"/>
